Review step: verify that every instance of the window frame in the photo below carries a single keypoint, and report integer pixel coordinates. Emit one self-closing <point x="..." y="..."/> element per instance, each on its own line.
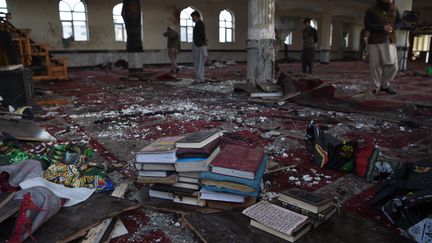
<point x="186" y="31"/>
<point x="73" y="21"/>
<point x="224" y="29"/>
<point x="289" y="39"/>
<point x="121" y="23"/>
<point x="4" y="9"/>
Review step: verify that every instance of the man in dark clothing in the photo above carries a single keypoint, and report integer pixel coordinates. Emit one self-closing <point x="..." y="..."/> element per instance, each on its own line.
<point x="382" y="20"/>
<point x="310" y="38"/>
<point x="199" y="46"/>
<point x="173" y="45"/>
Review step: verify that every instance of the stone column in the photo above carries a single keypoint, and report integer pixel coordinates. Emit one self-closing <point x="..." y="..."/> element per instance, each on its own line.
<point x="403" y="35"/>
<point x="261" y="41"/>
<point x="325" y="32"/>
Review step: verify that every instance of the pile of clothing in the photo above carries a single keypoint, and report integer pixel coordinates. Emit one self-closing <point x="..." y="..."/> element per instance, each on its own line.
<point x="46" y="178"/>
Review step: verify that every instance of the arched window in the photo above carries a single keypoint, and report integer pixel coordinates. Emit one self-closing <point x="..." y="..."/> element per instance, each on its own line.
<point x="346" y="39"/>
<point x="331" y="35"/>
<point x="289" y="39"/>
<point x="186" y="25"/>
<point x="119" y="25"/>
<point x="314" y="24"/>
<point x="226" y="26"/>
<point x="3" y="6"/>
<point x="73" y="16"/>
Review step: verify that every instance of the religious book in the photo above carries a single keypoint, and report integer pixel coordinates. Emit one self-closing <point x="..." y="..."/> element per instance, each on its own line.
<point x="195" y="201"/>
<point x="187" y="185"/>
<point x="154" y="173"/>
<point x="161" y="194"/>
<point x="315" y="218"/>
<point x="168" y="180"/>
<point x="195" y="164"/>
<point x="307" y="200"/>
<point x="188" y="180"/>
<point x="203" y="152"/>
<point x="198" y="139"/>
<point x="157" y="166"/>
<point x="220" y="196"/>
<point x="277" y="220"/>
<point x="249" y="201"/>
<point x="175" y="190"/>
<point x="235" y="185"/>
<point x="190" y="174"/>
<point x="160" y="151"/>
<point x="238" y="161"/>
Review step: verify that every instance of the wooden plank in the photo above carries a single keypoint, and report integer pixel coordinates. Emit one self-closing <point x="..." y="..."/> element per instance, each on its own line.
<point x="226" y="227"/>
<point x="95" y="234"/>
<point x="9" y="209"/>
<point x="234" y="227"/>
<point x="5" y="197"/>
<point x="73" y="222"/>
<point x="25" y="130"/>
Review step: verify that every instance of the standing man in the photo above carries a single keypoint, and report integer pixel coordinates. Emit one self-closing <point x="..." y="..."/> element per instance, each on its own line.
<point x="199" y="49"/>
<point x="382" y="20"/>
<point x="173" y="45"/>
<point x="310" y="38"/>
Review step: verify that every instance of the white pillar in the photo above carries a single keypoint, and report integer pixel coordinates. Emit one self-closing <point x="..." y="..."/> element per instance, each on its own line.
<point x="261" y="41"/>
<point x="403" y="35"/>
<point x="326" y="31"/>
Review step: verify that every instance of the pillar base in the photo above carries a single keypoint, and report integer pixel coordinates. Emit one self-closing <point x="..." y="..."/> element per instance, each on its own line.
<point x="134" y="61"/>
<point x="260" y="60"/>
<point x="325" y="56"/>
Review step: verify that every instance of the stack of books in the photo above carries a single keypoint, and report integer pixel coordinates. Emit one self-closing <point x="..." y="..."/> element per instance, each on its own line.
<point x="278" y="221"/>
<point x="318" y="208"/>
<point x="234" y="178"/>
<point x="156" y="162"/>
<point x="194" y="153"/>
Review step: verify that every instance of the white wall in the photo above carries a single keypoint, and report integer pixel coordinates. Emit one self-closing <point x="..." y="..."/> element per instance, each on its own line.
<point x="43" y="18"/>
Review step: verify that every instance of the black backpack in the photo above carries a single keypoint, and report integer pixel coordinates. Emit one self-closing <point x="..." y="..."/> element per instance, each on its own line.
<point x="405" y="197"/>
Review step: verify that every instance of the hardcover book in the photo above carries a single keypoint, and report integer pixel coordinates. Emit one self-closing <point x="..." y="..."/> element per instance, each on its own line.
<point x="195" y="201"/>
<point x="238" y="161"/>
<point x="175" y="190"/>
<point x="307" y="200"/>
<point x="203" y="152"/>
<point x="155" y="166"/>
<point x="160" y="151"/>
<point x="169" y="180"/>
<point x="220" y="196"/>
<point x="278" y="220"/>
<point x="195" y="164"/>
<point x="154" y="173"/>
<point x="198" y="139"/>
<point x="240" y="186"/>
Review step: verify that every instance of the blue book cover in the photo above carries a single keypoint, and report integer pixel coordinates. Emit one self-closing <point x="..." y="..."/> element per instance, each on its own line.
<point x="190" y="159"/>
<point x="232" y="191"/>
<point x="251" y="183"/>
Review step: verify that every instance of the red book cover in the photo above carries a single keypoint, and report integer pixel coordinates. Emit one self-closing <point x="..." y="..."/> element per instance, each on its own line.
<point x="239" y="158"/>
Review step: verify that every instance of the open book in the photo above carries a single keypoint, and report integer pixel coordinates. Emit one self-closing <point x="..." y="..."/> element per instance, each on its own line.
<point x="277" y="218"/>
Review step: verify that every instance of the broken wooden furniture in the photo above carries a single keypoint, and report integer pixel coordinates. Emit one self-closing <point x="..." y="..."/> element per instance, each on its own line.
<point x="35" y="56"/>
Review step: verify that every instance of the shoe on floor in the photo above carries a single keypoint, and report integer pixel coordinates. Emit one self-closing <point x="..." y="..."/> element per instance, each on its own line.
<point x="389" y="90"/>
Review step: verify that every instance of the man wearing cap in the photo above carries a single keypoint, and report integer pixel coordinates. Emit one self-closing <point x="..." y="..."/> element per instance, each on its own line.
<point x="382" y="20"/>
<point x="199" y="49"/>
<point x="173" y="45"/>
<point x="310" y="38"/>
